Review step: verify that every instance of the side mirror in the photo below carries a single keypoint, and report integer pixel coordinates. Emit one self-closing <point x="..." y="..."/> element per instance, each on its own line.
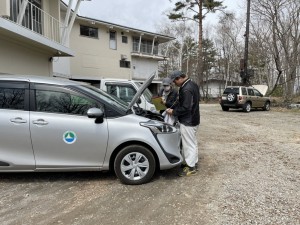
<point x="139" y="101"/>
<point x="96" y="113"/>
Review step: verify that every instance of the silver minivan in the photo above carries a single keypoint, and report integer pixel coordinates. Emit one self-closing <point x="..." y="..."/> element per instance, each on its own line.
<point x="51" y="124"/>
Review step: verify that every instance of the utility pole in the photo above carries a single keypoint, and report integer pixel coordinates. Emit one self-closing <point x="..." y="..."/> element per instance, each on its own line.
<point x="244" y="70"/>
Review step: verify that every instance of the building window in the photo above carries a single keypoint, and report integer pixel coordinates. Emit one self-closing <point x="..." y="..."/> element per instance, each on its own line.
<point x="112" y="40"/>
<point x="124" y="39"/>
<point x="124" y="64"/>
<point x="88" y="31"/>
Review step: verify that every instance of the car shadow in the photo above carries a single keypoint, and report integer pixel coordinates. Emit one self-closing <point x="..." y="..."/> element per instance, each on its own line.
<point x="240" y="110"/>
<point x="107" y="176"/>
<point x="56" y="176"/>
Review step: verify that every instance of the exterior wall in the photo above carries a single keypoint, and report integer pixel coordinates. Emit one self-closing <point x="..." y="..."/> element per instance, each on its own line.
<point x="143" y="67"/>
<point x="94" y="58"/>
<point x="52" y="7"/>
<point x="214" y="88"/>
<point x="18" y="59"/>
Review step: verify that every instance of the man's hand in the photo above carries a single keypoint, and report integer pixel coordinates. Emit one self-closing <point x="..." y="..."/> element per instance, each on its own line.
<point x="169" y="111"/>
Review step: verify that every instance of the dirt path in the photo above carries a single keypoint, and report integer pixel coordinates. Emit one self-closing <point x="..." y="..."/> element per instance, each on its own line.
<point x="249" y="174"/>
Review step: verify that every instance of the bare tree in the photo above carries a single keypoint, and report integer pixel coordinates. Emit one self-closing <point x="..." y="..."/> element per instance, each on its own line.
<point x="180" y="52"/>
<point x="281" y="19"/>
<point x="195" y="10"/>
<point x="229" y="44"/>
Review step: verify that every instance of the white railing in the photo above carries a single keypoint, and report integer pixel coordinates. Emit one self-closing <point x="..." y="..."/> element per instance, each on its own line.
<point x="36" y="19"/>
<point x="145" y="48"/>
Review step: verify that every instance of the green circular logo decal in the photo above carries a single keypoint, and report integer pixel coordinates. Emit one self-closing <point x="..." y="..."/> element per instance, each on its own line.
<point x="69" y="137"/>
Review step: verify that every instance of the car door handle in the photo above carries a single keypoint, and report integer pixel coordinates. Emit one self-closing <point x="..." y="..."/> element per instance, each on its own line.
<point x="40" y="122"/>
<point x="18" y="120"/>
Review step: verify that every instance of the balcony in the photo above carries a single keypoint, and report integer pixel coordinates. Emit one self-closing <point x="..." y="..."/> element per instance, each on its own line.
<point x="33" y="26"/>
<point x="145" y="49"/>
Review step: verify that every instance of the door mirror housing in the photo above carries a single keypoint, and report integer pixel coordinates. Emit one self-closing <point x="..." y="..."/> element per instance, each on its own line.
<point x="96" y="113"/>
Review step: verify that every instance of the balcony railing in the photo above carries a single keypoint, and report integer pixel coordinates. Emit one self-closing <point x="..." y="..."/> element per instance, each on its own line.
<point x="145" y="49"/>
<point x="37" y="20"/>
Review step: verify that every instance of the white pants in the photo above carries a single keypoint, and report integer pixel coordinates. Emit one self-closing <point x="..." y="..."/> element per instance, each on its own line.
<point x="189" y="144"/>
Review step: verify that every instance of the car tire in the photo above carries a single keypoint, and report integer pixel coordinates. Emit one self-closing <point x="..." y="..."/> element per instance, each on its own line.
<point x="225" y="108"/>
<point x="247" y="107"/>
<point x="266" y="106"/>
<point x="231" y="97"/>
<point x="132" y="171"/>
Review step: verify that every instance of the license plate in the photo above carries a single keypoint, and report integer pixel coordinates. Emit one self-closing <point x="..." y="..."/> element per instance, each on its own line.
<point x="223" y="97"/>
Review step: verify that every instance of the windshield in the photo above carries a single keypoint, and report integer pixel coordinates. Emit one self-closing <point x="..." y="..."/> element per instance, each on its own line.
<point x="147" y="93"/>
<point x="111" y="99"/>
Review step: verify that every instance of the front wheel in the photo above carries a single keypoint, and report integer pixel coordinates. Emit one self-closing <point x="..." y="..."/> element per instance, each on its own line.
<point x="134" y="164"/>
<point x="247" y="107"/>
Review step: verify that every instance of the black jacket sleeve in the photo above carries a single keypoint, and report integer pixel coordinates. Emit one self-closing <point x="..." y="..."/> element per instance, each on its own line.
<point x="171" y="100"/>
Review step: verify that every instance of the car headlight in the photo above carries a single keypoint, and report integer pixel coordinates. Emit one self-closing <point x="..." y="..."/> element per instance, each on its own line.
<point x="158" y="127"/>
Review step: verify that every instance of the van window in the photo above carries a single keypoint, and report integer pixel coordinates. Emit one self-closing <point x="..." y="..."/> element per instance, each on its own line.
<point x="63" y="102"/>
<point x="124" y="92"/>
<point x="12" y="98"/>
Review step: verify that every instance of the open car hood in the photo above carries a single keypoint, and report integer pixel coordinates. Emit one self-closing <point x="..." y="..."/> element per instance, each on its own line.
<point x="261" y="88"/>
<point x="141" y="90"/>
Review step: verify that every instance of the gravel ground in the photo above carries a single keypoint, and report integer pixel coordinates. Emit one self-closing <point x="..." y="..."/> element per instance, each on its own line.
<point x="249" y="174"/>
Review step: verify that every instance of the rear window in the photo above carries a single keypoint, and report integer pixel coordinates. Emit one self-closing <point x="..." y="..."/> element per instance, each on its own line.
<point x="231" y="90"/>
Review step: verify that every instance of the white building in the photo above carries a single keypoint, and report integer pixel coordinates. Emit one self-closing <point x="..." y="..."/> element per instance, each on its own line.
<point x="43" y="37"/>
<point x="30" y="36"/>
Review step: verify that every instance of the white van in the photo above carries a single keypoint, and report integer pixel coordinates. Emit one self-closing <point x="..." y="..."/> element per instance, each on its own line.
<point x="126" y="89"/>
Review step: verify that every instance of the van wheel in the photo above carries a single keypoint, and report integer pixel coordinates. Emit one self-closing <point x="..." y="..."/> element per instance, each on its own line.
<point x="134" y="164"/>
<point x="266" y="106"/>
<point x="247" y="107"/>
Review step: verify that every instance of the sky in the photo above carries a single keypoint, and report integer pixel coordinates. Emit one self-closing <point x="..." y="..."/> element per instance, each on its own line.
<point x="141" y="14"/>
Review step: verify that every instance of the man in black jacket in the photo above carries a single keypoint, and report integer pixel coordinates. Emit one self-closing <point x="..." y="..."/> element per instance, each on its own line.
<point x="188" y="114"/>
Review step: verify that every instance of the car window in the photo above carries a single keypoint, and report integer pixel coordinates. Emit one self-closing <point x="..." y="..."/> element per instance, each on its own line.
<point x="12" y="98"/>
<point x="257" y="93"/>
<point x="231" y="90"/>
<point x="106" y="97"/>
<point x="124" y="92"/>
<point x="63" y="102"/>
<point x="127" y="93"/>
<point x="244" y="91"/>
<point x="251" y="92"/>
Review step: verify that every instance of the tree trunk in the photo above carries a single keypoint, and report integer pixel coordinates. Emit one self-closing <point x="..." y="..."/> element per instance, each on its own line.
<point x="200" y="52"/>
